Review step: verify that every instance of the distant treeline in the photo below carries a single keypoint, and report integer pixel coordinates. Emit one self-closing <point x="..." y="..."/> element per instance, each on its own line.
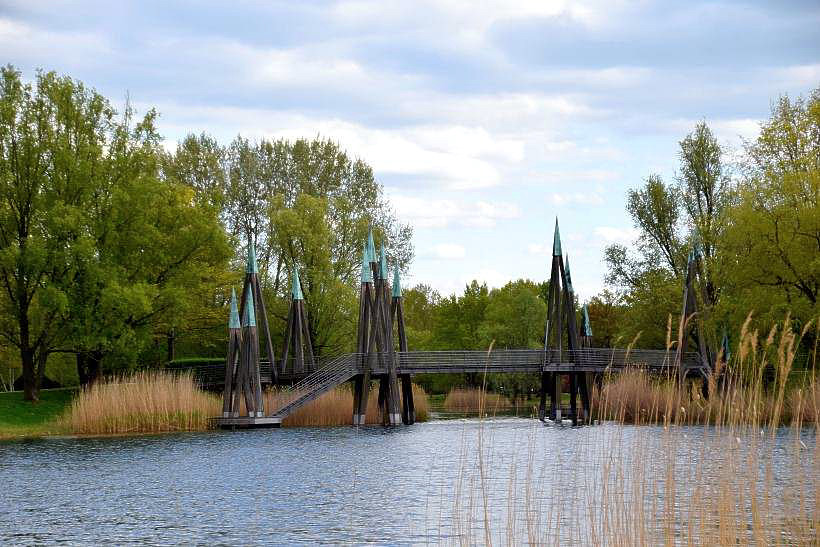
<point x="116" y="254"/>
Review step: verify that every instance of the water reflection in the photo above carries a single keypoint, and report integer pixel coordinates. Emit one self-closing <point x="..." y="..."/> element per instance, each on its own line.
<point x="419" y="484"/>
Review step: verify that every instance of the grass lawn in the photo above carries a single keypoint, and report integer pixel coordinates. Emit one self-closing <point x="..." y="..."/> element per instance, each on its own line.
<point x="19" y="418"/>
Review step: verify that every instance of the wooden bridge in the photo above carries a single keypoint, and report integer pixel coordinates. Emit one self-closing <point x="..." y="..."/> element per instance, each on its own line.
<point x="383" y="354"/>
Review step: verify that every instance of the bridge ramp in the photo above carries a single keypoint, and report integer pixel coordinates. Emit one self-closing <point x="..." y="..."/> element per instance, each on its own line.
<point x="335" y="373"/>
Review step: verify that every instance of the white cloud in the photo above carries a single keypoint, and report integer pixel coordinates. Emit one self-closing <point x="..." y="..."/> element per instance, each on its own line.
<point x="610" y="234"/>
<point x="441" y="213"/>
<point x="578" y="198"/>
<point x="449" y="251"/>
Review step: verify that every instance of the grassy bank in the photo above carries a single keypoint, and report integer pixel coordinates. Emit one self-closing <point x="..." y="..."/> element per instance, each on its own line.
<point x="19" y="418"/>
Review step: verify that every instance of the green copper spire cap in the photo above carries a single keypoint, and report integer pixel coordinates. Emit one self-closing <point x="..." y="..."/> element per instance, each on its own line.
<point x="371" y="246"/>
<point x="569" y="275"/>
<point x="367" y="275"/>
<point x="296" y="287"/>
<point x="251" y="266"/>
<point x="250" y="315"/>
<point x="556" y="241"/>
<point x="727" y="354"/>
<point x="396" y="283"/>
<point x="587" y="325"/>
<point x="233" y="322"/>
<point x="383" y="263"/>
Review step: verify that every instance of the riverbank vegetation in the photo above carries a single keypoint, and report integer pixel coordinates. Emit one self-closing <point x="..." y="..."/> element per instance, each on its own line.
<point x="336" y="408"/>
<point x="159" y="402"/>
<point x="745" y="481"/>
<point x="149" y="242"/>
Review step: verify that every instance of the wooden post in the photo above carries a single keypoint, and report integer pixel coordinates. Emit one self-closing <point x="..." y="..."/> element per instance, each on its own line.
<point x="393" y="410"/>
<point x="297" y="334"/>
<point x="231" y="360"/>
<point x="408" y="408"/>
<point x="550" y="383"/>
<point x="253" y="287"/>
<point x="692" y="322"/>
<point x="361" y="382"/>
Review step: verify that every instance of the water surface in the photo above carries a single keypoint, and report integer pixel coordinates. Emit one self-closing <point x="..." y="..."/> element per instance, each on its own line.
<point x="425" y="483"/>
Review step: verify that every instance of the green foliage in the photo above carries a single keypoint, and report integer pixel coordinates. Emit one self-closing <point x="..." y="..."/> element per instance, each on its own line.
<point x="97" y="252"/>
<point x="758" y="236"/>
<point x="773" y="233"/>
<point x="305" y="204"/>
<point x="19" y="417"/>
<point x="515" y="316"/>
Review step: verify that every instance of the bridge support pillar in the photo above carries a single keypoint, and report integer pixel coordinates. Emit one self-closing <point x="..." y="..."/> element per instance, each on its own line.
<point x="555" y="397"/>
<point x="573" y="397"/>
<point x="584" y="386"/>
<point x="542" y="405"/>
<point x="408" y="408"/>
<point x="361" y="392"/>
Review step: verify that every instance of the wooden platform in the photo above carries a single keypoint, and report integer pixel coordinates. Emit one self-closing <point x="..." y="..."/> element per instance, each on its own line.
<point x="246" y="422"/>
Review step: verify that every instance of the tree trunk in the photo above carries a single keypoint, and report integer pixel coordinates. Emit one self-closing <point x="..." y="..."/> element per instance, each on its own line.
<point x="31" y="388"/>
<point x="172" y="335"/>
<point x="89" y="367"/>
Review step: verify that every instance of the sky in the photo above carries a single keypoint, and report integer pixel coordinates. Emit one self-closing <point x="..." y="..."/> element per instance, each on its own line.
<point x="484" y="121"/>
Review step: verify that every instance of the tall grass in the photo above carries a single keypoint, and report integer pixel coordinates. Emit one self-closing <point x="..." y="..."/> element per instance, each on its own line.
<point x="474" y="400"/>
<point x="744" y="480"/>
<point x="154" y="402"/>
<point x="336" y="408"/>
<point x="145" y="402"/>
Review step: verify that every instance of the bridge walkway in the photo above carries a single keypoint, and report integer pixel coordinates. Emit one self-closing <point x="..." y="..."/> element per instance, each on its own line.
<point x="335" y="371"/>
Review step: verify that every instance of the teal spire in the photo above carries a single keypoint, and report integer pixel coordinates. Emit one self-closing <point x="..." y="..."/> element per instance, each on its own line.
<point x="233" y="322"/>
<point x="556" y="241"/>
<point x="371" y="246"/>
<point x="727" y="354"/>
<point x="250" y="315"/>
<point x="569" y="275"/>
<point x="383" y="263"/>
<point x="367" y="275"/>
<point x="296" y="287"/>
<point x="396" y="283"/>
<point x="251" y="266"/>
<point x="586" y="325"/>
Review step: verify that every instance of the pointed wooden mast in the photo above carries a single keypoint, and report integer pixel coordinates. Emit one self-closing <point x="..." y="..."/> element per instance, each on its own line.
<point x="297" y="332"/>
<point x="553" y="343"/>
<point x="388" y="385"/>
<point x="361" y="383"/>
<point x="232" y="359"/>
<point x="579" y="381"/>
<point x="691" y="323"/>
<point x="408" y="408"/>
<point x="252" y="287"/>
<point x="247" y="381"/>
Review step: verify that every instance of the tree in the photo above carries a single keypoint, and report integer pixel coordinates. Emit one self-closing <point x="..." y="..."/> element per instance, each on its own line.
<point x="670" y="221"/>
<point x="773" y="232"/>
<point x="515" y="316"/>
<point x="52" y="139"/>
<point x="706" y="192"/>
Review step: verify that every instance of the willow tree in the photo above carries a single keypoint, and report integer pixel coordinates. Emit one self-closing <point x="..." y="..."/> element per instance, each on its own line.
<point x="96" y="251"/>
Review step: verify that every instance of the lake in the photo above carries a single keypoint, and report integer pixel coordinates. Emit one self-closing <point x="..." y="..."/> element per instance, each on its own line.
<point x="428" y="483"/>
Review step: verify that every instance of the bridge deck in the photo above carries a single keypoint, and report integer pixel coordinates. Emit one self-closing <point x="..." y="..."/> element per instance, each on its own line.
<point x="333" y="372"/>
<point x="211" y="375"/>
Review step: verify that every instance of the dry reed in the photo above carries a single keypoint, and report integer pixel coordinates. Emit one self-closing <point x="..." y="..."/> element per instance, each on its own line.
<point x="474" y="400"/>
<point x="145" y="402"/>
<point x="335" y="408"/>
<point x="743" y="481"/>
